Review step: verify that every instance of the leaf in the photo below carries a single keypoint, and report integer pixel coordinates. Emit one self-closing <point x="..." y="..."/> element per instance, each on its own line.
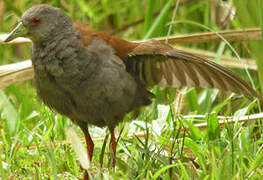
<point x="256" y="163"/>
<point x="198" y="151"/>
<point x="103" y="150"/>
<point x="192" y="99"/>
<point x="9" y="113"/>
<point x="165" y="168"/>
<point x="195" y="132"/>
<point x="183" y="170"/>
<point x="78" y="148"/>
<point x="213" y="127"/>
<point x="159" y="19"/>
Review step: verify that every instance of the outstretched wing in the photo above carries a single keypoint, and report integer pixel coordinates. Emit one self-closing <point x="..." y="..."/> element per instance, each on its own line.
<point x="154" y="63"/>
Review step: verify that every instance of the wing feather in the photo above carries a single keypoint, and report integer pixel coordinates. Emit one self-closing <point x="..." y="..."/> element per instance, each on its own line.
<point x="177" y="68"/>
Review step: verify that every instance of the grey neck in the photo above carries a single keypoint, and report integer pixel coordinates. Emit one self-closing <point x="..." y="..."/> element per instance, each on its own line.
<point x="57" y="42"/>
<point x="51" y="55"/>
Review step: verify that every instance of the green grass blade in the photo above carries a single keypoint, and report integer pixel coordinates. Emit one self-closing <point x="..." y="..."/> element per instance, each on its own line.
<point x="162" y="170"/>
<point x="159" y="19"/>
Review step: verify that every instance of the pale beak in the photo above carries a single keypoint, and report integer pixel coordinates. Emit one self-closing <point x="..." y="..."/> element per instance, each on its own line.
<point x="19" y="31"/>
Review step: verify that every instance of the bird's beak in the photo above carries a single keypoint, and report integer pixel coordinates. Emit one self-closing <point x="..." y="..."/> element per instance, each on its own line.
<point x="19" y="31"/>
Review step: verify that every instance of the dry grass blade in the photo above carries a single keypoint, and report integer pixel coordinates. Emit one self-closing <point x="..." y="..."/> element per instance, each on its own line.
<point x="229" y="35"/>
<point x="78" y="148"/>
<point x="17" y="72"/>
<point x="225" y="119"/>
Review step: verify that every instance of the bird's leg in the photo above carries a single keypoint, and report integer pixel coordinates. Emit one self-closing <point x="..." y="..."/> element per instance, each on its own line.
<point x="90" y="147"/>
<point x="113" y="147"/>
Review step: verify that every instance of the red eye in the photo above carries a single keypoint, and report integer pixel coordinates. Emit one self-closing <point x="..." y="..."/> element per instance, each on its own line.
<point x="36" y="21"/>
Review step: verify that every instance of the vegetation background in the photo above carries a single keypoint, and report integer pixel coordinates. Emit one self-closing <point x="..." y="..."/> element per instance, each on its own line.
<point x="33" y="139"/>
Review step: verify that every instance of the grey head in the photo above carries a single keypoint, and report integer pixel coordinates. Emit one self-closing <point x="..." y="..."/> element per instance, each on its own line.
<point x="40" y="23"/>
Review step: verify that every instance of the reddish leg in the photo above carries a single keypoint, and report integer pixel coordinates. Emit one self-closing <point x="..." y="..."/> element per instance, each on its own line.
<point x="86" y="175"/>
<point x="113" y="146"/>
<point x="90" y="147"/>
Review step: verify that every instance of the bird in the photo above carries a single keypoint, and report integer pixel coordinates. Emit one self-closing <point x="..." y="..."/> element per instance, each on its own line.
<point x="94" y="78"/>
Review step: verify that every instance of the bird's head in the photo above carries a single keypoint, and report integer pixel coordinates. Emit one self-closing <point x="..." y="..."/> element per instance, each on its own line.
<point x="40" y="23"/>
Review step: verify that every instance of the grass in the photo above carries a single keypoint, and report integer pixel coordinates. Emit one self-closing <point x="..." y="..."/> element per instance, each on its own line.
<point x="161" y="143"/>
